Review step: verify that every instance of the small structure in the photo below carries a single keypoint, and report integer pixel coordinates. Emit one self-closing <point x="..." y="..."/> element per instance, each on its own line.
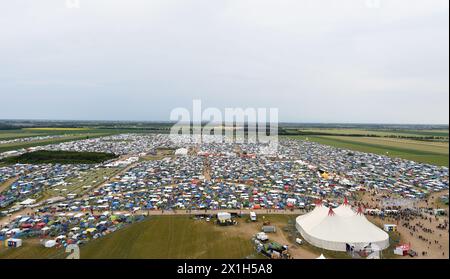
<point x="402" y="250"/>
<point x="440" y="212"/>
<point x="14" y="242"/>
<point x="262" y="236"/>
<point x="50" y="244"/>
<point x="269" y="229"/>
<point x="181" y="152"/>
<point x="28" y="202"/>
<point x="390" y="228"/>
<point x="224" y="219"/>
<point x="223" y="216"/>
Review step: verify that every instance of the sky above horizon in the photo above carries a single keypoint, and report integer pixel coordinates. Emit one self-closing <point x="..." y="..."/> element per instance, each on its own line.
<point x="346" y="61"/>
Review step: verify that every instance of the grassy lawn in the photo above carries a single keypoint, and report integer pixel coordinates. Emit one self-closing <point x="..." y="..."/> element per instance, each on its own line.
<point x="31" y="250"/>
<point x="425" y="152"/>
<point x="175" y="237"/>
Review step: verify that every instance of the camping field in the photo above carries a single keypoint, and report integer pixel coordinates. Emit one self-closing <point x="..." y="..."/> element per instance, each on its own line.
<point x="40" y="142"/>
<point x="435" y="153"/>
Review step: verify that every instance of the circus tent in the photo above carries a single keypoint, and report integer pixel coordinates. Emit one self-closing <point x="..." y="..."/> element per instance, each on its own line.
<point x="338" y="228"/>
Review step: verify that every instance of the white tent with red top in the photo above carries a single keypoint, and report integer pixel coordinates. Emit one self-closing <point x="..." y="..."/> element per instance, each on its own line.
<point x="337" y="228"/>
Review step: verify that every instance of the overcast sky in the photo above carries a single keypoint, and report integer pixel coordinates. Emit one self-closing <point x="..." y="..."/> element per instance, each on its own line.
<point x="350" y="61"/>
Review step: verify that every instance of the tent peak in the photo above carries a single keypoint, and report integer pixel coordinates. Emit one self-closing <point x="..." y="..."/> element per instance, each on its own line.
<point x="331" y="212"/>
<point x="360" y="210"/>
<point x="318" y="202"/>
<point x="346" y="201"/>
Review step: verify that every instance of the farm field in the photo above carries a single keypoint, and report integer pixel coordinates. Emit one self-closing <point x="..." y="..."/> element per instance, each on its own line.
<point x="35" y="132"/>
<point x="380" y="133"/>
<point x="47" y="129"/>
<point x="425" y="152"/>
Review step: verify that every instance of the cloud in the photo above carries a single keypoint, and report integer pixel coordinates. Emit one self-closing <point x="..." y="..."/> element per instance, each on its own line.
<point x="316" y="60"/>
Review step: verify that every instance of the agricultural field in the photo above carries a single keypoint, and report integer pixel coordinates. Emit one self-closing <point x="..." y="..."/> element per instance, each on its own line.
<point x="48" y="129"/>
<point x="35" y="132"/>
<point x="436" y="153"/>
<point x="439" y="133"/>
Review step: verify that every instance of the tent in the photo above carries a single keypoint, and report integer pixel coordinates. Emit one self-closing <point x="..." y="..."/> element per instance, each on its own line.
<point x="182" y="152"/>
<point x="50" y="243"/>
<point x="223" y="216"/>
<point x="333" y="229"/>
<point x="14" y="242"/>
<point x="321" y="257"/>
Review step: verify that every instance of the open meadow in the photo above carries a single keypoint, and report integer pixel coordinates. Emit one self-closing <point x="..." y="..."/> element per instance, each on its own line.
<point x="435" y="153"/>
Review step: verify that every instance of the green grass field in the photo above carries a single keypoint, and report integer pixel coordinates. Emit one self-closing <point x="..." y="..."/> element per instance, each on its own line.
<point x="175" y="237"/>
<point x="381" y="132"/>
<point x="31" y="250"/>
<point x="159" y="237"/>
<point x="425" y="152"/>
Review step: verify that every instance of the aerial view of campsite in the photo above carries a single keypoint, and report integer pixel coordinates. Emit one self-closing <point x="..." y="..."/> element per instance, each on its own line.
<point x="257" y="130"/>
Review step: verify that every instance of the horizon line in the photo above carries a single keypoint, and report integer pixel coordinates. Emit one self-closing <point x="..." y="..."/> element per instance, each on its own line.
<point x="280" y="122"/>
